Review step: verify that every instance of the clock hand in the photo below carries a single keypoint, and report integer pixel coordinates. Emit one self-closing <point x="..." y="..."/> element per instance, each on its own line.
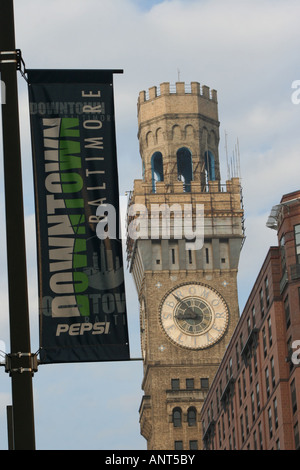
<point x="181" y="316"/>
<point x="193" y="315"/>
<point x="177" y="298"/>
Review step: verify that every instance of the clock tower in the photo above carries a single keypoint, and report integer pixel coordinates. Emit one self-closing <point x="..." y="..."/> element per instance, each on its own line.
<point x="187" y="287"/>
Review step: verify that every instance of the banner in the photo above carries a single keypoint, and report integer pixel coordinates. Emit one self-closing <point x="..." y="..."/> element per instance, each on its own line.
<point x="82" y="308"/>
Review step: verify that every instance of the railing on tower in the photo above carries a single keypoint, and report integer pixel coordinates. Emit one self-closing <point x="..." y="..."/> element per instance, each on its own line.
<point x="229" y="206"/>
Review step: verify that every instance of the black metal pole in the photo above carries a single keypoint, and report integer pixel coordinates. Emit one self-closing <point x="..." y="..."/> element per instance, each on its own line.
<point x="20" y="358"/>
<point x="10" y="431"/>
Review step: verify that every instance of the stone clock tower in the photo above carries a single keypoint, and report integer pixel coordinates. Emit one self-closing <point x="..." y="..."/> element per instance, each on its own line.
<point x="187" y="290"/>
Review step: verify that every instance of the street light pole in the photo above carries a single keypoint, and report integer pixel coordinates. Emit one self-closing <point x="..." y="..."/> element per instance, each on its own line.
<point x="20" y="360"/>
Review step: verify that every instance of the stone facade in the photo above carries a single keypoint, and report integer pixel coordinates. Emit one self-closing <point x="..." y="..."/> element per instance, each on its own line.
<point x="180" y="127"/>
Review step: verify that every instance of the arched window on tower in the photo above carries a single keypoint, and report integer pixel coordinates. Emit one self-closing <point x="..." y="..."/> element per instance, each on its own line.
<point x="157" y="169"/>
<point x="209" y="160"/>
<point x="192" y="416"/>
<point x="177" y="417"/>
<point x="185" y="168"/>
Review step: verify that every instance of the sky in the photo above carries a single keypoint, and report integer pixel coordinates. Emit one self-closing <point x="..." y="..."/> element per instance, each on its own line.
<point x="248" y="50"/>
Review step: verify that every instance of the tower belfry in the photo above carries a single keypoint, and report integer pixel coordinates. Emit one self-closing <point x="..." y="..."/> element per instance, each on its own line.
<point x="187" y="291"/>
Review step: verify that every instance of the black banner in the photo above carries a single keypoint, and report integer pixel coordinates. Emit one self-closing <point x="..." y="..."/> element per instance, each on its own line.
<point x="82" y="307"/>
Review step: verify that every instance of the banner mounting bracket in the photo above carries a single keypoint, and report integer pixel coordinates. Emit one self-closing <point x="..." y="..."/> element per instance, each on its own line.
<point x="21" y="362"/>
<point x="14" y="57"/>
<point x="21" y="65"/>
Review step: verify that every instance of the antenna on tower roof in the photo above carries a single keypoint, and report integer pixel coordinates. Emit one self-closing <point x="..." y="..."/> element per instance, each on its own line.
<point x="178" y="74"/>
<point x="238" y="159"/>
<point x="226" y="150"/>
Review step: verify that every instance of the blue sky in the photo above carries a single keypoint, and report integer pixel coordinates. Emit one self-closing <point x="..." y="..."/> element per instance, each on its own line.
<point x="145" y="5"/>
<point x="248" y="51"/>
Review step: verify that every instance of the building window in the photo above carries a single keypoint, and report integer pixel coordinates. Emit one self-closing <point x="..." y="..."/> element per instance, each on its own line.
<point x="287" y="312"/>
<point x="253" y="317"/>
<point x="294" y="396"/>
<point x="230" y="367"/>
<point x="189" y="384"/>
<point x="252" y="406"/>
<point x="193" y="445"/>
<point x="297" y="242"/>
<point x="257" y="398"/>
<point x="249" y="325"/>
<point x="250" y="370"/>
<point x="175" y="384"/>
<point x="217" y="400"/>
<point x="233" y="438"/>
<point x="219" y="434"/>
<point x="242" y="428"/>
<point x="282" y="254"/>
<point x="178" y="445"/>
<point x="223" y="427"/>
<point x="244" y="383"/>
<point x="264" y="341"/>
<point x="185" y="168"/>
<point x="240" y="391"/>
<point x="255" y="362"/>
<point x="237" y="354"/>
<point x="177" y="417"/>
<point x="267" y="291"/>
<point x="206" y="255"/>
<point x="260" y="436"/>
<point x="275" y="412"/>
<point x="270" y="331"/>
<point x="246" y="420"/>
<point x="272" y="372"/>
<point x="254" y="440"/>
<point x="192" y="416"/>
<point x="267" y="382"/>
<point x="204" y="382"/>
<point x="290" y="352"/>
<point x="261" y="300"/>
<point x="296" y="436"/>
<point x="157" y="169"/>
<point x="270" y="422"/>
<point x="212" y="410"/>
<point x="209" y="161"/>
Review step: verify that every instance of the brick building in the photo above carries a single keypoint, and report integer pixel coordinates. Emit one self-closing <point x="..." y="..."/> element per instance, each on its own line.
<point x="254" y="400"/>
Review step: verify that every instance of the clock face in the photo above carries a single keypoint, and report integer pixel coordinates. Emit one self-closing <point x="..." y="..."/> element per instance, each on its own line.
<point x="194" y="315"/>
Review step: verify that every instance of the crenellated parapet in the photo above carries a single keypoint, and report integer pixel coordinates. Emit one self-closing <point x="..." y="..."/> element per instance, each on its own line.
<point x="179" y="88"/>
<point x="167" y="98"/>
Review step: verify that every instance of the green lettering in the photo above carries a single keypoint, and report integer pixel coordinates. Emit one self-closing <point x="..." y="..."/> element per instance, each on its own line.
<point x="71" y="182"/>
<point x="66" y="127"/>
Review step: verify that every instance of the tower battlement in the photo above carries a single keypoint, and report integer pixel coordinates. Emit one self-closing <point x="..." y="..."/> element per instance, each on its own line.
<point x="179" y="88"/>
<point x="177" y="100"/>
